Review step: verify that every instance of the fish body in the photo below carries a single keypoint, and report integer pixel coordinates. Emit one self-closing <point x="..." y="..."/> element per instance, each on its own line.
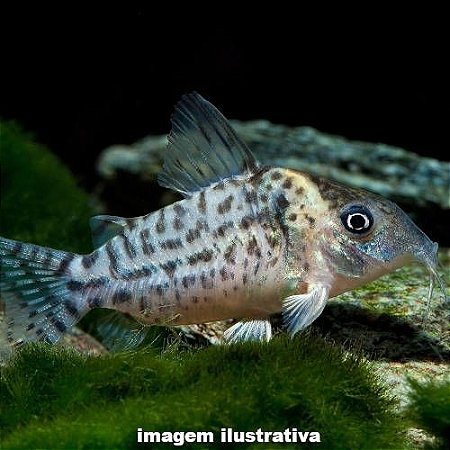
<point x="247" y="241"/>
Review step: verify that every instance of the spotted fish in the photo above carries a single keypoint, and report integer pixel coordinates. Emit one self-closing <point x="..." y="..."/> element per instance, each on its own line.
<point x="247" y="241"/>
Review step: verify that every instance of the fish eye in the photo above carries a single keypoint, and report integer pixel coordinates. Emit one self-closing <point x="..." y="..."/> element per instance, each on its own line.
<point x="357" y="219"/>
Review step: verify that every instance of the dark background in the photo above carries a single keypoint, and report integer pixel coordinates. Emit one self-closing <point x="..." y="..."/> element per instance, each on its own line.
<point x="83" y="80"/>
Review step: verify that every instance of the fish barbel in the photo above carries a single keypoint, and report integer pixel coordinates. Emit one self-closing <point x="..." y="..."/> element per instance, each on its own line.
<point x="247" y="241"/>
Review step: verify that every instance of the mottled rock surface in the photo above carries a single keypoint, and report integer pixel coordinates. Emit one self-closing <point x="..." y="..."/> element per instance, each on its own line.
<point x="390" y="171"/>
<point x="420" y="185"/>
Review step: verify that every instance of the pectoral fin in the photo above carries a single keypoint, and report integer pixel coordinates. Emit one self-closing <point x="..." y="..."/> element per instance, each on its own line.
<point x="251" y="330"/>
<point x="301" y="310"/>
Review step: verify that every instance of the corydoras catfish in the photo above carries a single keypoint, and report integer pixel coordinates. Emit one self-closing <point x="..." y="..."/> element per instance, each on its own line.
<point x="247" y="241"/>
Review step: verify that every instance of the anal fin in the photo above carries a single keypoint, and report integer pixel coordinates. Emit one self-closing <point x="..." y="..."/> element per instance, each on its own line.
<point x="251" y="330"/>
<point x="301" y="310"/>
<point x="118" y="331"/>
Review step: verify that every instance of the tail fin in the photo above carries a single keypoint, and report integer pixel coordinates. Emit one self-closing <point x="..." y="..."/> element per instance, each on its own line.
<point x="35" y="287"/>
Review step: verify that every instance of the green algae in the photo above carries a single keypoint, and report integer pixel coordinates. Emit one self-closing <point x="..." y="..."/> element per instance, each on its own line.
<point x="40" y="199"/>
<point x="53" y="398"/>
<point x="430" y="409"/>
<point x="401" y="293"/>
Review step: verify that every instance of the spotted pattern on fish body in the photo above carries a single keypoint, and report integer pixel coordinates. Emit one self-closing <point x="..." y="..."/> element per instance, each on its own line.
<point x="195" y="263"/>
<point x="246" y="242"/>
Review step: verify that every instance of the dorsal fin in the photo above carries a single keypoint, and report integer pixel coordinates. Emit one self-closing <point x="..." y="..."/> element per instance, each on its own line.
<point x="203" y="148"/>
<point x="104" y="228"/>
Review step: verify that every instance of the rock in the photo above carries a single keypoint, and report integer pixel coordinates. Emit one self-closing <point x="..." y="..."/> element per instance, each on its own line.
<point x="390" y="171"/>
<point x="82" y="342"/>
<point x="205" y="333"/>
<point x="419" y="185"/>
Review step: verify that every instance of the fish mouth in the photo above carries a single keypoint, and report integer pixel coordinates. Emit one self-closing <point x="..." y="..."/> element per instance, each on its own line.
<point x="423" y="250"/>
<point x="415" y="245"/>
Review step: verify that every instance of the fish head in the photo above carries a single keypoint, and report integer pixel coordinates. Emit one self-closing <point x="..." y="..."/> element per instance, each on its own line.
<point x="365" y="236"/>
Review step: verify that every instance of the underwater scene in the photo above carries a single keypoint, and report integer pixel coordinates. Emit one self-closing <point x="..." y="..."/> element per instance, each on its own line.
<point x="356" y="364"/>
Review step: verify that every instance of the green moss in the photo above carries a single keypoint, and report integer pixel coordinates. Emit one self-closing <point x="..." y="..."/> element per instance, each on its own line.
<point x="430" y="408"/>
<point x="40" y="201"/>
<point x="53" y="398"/>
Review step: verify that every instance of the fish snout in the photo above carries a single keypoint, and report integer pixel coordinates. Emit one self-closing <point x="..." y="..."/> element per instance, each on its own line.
<point x="401" y="242"/>
<point x="419" y="246"/>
